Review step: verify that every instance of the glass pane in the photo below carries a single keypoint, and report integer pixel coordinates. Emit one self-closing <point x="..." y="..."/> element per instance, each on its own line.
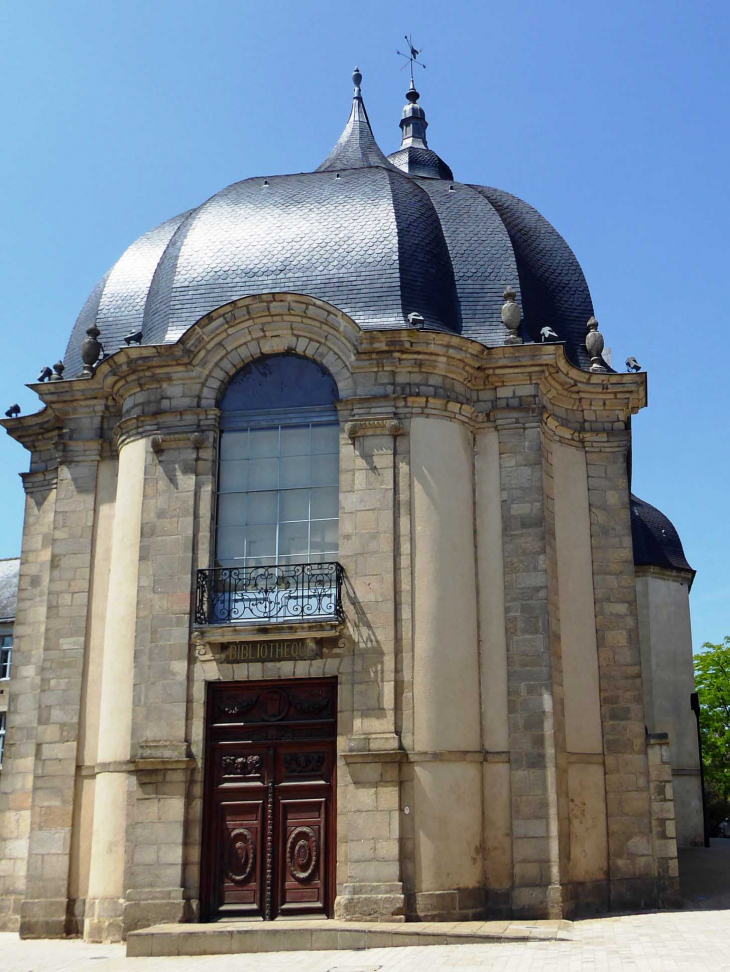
<point x="234" y="476"/>
<point x="324" y="536"/>
<point x="294" y="504"/>
<point x="326" y="471"/>
<point x="261" y="562"/>
<point x="325" y="438"/>
<point x="234" y="445"/>
<point x="263" y="442"/>
<point x="263" y="473"/>
<point x="262" y="507"/>
<point x="295" y="441"/>
<point x="293" y="539"/>
<point x="294" y="471"/>
<point x="232" y="509"/>
<point x="325" y="502"/>
<point x="261" y="541"/>
<point x="231" y="543"/>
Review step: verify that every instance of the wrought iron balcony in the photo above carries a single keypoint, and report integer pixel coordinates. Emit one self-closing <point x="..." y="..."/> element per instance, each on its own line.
<point x="262" y="595"/>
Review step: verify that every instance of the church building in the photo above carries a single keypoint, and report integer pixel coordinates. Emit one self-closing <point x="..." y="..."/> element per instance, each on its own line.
<point x="334" y="600"/>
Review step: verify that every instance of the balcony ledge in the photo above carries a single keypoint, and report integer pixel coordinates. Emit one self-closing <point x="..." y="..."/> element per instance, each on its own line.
<point x="271" y="631"/>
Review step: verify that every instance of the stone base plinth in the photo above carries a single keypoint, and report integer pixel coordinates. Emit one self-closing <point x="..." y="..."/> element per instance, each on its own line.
<point x="371" y="902"/>
<point x="103" y="920"/>
<point x="44" y="918"/>
<point x="155" y="906"/>
<point x="10" y="912"/>
<point x="460" y="904"/>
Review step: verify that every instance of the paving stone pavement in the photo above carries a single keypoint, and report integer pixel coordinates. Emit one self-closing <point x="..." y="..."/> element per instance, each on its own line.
<point x="687" y="941"/>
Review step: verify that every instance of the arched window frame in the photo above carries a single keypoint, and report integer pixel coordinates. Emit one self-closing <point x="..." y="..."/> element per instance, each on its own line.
<point x="322" y="485"/>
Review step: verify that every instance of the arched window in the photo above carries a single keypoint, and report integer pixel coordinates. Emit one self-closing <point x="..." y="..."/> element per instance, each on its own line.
<point x="278" y="474"/>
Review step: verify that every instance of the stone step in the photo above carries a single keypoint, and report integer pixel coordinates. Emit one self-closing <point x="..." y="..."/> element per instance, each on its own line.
<point x="230" y="937"/>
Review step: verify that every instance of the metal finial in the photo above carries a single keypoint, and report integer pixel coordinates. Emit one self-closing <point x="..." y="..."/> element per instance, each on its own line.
<point x="357" y="81"/>
<point x="412" y="95"/>
<point x="59" y="368"/>
<point x="411" y="57"/>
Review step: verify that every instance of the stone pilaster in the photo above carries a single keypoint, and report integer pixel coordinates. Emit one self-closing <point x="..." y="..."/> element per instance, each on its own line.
<point x="533" y="760"/>
<point x="368" y="824"/>
<point x="17" y="777"/>
<point x="447" y="754"/>
<point x="631" y="862"/>
<point x="44" y="912"/>
<point x="157" y="794"/>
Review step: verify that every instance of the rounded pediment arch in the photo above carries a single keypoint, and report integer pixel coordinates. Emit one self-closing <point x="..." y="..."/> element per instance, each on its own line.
<point x="222" y="342"/>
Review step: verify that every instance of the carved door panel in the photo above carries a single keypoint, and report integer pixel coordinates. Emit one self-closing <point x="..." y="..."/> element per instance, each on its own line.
<point x="269" y="800"/>
<point x="303" y="863"/>
<point x="242" y="847"/>
<point x="303" y="792"/>
<point x="241" y="775"/>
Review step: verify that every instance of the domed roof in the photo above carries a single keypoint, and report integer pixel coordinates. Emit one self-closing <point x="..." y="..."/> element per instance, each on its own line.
<point x="655" y="539"/>
<point x="379" y="238"/>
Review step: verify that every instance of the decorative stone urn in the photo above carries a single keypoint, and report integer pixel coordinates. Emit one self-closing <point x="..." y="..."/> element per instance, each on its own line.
<point x="511" y="316"/>
<point x="594" y="346"/>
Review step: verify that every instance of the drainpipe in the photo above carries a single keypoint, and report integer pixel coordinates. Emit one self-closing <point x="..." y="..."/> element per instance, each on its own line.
<point x="695" y="704"/>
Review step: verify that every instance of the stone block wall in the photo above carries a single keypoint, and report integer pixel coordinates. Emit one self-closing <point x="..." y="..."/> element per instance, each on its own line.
<point x="16" y="779"/>
<point x="463" y="762"/>
<point x="663" y="824"/>
<point x="631" y="861"/>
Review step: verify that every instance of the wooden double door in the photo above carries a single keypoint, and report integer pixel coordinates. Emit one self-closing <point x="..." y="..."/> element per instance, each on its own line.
<point x="269" y="813"/>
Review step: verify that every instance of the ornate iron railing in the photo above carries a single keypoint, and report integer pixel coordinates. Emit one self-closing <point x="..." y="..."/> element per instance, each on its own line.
<point x="280" y="592"/>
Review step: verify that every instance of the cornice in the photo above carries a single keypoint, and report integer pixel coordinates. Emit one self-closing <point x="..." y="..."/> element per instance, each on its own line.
<point x="34" y="431"/>
<point x="40" y="481"/>
<point x="253" y="325"/>
<point x="614" y="440"/>
<point x="171" y="428"/>
<point x="676" y="575"/>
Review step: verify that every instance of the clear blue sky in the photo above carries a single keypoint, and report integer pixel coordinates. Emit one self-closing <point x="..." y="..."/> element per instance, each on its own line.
<point x="610" y="118"/>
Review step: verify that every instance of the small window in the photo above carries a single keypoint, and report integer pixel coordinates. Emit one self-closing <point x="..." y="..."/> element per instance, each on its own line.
<point x="2" y="735"/>
<point x="6" y="654"/>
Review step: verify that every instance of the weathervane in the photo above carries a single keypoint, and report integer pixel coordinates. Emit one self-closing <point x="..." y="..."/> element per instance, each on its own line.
<point x="412" y="57"/>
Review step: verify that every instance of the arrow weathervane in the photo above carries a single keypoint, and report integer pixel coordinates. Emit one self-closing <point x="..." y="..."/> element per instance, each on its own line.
<point x="412" y="56"/>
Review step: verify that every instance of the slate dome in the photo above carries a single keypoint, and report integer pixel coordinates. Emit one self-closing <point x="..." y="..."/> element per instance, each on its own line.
<point x="378" y="237"/>
<point x="655" y="539"/>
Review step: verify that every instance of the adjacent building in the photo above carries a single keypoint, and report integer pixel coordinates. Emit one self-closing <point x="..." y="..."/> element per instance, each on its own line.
<point x="329" y="601"/>
<point x="8" y="597"/>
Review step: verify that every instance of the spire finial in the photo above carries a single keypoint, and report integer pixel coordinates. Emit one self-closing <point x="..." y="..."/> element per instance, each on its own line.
<point x="356" y="80"/>
<point x="356" y="147"/>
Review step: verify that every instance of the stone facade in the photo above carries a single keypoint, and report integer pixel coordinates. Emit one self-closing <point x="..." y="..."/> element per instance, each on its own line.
<point x="490" y="701"/>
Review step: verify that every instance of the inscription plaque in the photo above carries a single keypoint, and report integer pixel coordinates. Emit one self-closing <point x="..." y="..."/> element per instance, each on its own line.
<point x="269" y="651"/>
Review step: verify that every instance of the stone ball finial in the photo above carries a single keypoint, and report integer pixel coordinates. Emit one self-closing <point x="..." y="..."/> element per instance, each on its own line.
<point x="594" y="346"/>
<point x="511" y="315"/>
<point x="58" y="368"/>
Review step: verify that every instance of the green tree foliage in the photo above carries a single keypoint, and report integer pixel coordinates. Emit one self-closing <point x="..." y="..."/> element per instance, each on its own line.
<point x="712" y="678"/>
